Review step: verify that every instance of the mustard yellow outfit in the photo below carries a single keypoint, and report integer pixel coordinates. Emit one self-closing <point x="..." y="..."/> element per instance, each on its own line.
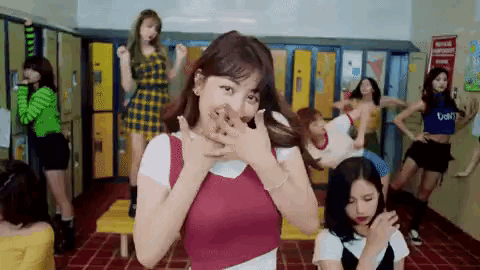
<point x="28" y="252"/>
<point x="372" y="142"/>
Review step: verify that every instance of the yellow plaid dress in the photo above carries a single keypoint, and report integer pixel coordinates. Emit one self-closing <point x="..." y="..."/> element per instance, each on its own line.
<point x="143" y="111"/>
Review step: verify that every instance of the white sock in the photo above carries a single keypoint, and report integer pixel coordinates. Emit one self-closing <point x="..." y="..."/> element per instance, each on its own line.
<point x="59" y="210"/>
<point x="67" y="218"/>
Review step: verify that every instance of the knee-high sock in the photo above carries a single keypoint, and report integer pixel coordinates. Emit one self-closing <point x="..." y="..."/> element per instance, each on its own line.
<point x="418" y="214"/>
<point x="133" y="194"/>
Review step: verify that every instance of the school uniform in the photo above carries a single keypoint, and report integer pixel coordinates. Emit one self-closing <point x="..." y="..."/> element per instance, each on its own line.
<point x="329" y="247"/>
<point x="233" y="222"/>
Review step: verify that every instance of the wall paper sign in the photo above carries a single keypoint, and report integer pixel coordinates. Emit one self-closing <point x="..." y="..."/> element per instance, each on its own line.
<point x="442" y="54"/>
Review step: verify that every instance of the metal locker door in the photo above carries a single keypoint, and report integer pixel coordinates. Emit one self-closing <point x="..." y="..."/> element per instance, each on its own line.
<point x="75" y="77"/>
<point x="77" y="157"/>
<point x="102" y="62"/>
<point x="301" y="79"/>
<point x="3" y="86"/>
<point x="67" y="132"/>
<point x="65" y="90"/>
<point x="16" y="47"/>
<point x="102" y="145"/>
<point x="50" y="50"/>
<point x="280" y="67"/>
<point x="324" y="95"/>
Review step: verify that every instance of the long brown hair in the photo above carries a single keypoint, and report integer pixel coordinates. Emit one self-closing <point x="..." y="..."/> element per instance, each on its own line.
<point x="236" y="56"/>
<point x="306" y="116"/>
<point x="134" y="44"/>
<point x="42" y="65"/>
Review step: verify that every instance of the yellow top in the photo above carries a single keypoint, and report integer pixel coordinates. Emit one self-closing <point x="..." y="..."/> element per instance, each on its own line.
<point x="28" y="251"/>
<point x="374" y="122"/>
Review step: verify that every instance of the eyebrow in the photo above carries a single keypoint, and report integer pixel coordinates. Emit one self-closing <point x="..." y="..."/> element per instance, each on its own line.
<point x="368" y="195"/>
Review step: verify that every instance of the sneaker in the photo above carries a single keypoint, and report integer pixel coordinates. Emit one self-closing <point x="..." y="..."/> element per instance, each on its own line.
<point x="415" y="238"/>
<point x="132" y="210"/>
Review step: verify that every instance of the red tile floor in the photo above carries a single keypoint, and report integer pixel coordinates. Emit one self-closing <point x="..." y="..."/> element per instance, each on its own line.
<point x="446" y="247"/>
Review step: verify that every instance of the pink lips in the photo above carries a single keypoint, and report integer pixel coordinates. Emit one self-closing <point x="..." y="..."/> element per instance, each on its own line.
<point x="361" y="219"/>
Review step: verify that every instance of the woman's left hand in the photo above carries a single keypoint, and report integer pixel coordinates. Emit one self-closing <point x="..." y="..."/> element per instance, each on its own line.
<point x="250" y="145"/>
<point x="24" y="82"/>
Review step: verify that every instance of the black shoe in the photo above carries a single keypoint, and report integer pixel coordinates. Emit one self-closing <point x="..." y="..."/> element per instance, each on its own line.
<point x="69" y="232"/>
<point x="132" y="210"/>
<point x="58" y="232"/>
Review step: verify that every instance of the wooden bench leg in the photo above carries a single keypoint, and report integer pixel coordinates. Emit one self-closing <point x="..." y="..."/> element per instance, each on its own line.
<point x="124" y="245"/>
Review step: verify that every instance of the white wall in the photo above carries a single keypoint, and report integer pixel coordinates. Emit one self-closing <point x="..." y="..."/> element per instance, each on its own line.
<point x="53" y="12"/>
<point x="376" y="19"/>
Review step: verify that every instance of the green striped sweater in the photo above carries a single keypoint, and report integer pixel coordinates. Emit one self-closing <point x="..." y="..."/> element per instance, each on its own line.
<point x="30" y="40"/>
<point x="41" y="109"/>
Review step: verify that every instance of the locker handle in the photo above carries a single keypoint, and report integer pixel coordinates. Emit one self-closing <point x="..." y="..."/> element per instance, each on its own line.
<point x="298" y="83"/>
<point x="76" y="158"/>
<point x="98" y="145"/>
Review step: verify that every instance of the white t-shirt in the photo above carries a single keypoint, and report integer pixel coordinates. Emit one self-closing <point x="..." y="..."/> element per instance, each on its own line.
<point x="340" y="144"/>
<point x="328" y="247"/>
<point x="156" y="165"/>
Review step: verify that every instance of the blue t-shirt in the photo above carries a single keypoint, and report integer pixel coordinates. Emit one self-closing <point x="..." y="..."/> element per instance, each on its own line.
<point x="440" y="118"/>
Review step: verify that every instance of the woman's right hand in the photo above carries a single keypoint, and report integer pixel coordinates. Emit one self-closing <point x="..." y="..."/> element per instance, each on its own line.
<point x="28" y="22"/>
<point x="195" y="148"/>
<point x="380" y="231"/>
<point x="123" y="53"/>
<point x="421" y="137"/>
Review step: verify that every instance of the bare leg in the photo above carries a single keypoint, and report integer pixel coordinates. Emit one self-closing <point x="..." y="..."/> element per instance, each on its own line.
<point x="137" y="148"/>
<point x="407" y="171"/>
<point x="56" y="182"/>
<point x="138" y="144"/>
<point x="385" y="183"/>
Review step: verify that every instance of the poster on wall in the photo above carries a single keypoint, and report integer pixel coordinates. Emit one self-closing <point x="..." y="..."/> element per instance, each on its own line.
<point x="472" y="67"/>
<point x="442" y="54"/>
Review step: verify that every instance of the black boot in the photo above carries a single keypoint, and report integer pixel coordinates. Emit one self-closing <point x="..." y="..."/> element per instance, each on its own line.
<point x="57" y="228"/>
<point x="133" y="202"/>
<point x="69" y="231"/>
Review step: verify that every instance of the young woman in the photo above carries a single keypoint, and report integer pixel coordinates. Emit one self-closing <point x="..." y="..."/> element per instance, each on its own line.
<point x="330" y="142"/>
<point x="26" y="237"/>
<point x="50" y="144"/>
<point x="231" y="169"/>
<point x="368" y="93"/>
<point x="431" y="148"/>
<point x="145" y="61"/>
<point x="359" y="233"/>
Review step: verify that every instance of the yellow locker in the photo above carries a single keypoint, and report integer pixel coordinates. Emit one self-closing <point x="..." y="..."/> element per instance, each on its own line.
<point x="76" y="76"/>
<point x="67" y="132"/>
<point x="280" y="66"/>
<point x="77" y="157"/>
<point x="102" y="145"/>
<point x="65" y="58"/>
<point x="102" y="66"/>
<point x="3" y="86"/>
<point x="301" y="79"/>
<point x="123" y="150"/>
<point x="325" y="83"/>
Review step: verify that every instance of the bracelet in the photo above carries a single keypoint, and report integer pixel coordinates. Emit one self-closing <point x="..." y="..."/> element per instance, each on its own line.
<point x="277" y="186"/>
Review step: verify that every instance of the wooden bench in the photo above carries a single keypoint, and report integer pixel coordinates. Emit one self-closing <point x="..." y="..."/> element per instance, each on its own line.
<point x="116" y="220"/>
